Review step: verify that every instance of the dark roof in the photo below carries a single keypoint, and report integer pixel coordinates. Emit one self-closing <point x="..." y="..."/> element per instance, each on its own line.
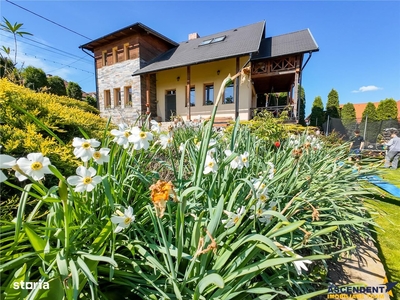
<point x="122" y="33"/>
<point x="291" y="43"/>
<point x="238" y="41"/>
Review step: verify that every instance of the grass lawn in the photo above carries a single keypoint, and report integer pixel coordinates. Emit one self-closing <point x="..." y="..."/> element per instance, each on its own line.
<point x="387" y="216"/>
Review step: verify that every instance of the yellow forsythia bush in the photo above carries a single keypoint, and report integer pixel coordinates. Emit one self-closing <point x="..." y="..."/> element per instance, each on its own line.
<point x="19" y="135"/>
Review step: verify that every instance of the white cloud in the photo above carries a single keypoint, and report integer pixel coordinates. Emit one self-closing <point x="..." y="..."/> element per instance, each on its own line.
<point x="367" y="88"/>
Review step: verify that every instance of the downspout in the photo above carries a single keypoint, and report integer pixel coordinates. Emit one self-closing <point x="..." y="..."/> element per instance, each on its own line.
<point x="95" y="74"/>
<point x="300" y="80"/>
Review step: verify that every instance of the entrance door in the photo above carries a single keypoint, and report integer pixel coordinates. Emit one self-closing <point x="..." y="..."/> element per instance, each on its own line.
<point x="170" y="105"/>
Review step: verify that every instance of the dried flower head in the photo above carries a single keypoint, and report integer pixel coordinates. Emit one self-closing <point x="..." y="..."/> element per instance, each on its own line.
<point x="296" y="153"/>
<point x="160" y="193"/>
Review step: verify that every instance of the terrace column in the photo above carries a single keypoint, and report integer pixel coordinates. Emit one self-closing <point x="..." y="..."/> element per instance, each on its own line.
<point x="188" y="117"/>
<point x="296" y="94"/>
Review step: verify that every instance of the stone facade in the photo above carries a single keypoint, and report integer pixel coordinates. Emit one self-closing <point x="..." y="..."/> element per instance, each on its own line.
<point x="120" y="76"/>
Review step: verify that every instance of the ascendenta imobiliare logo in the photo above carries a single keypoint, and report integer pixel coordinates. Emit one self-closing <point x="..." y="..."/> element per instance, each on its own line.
<point x="361" y="292"/>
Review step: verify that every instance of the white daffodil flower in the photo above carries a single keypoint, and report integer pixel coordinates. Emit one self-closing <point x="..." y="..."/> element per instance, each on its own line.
<point x="35" y="166"/>
<point x="265" y="217"/>
<point x="121" y="135"/>
<point x="155" y="126"/>
<point x="165" y="140"/>
<point x="123" y="219"/>
<point x="101" y="156"/>
<point x="140" y="139"/>
<point x="6" y="162"/>
<point x="84" y="148"/>
<point x="299" y="264"/>
<point x="262" y="195"/>
<point x="210" y="165"/>
<point x="245" y="159"/>
<point x="86" y="179"/>
<point x="271" y="170"/>
<point x="236" y="163"/>
<point x="259" y="185"/>
<point x="233" y="218"/>
<point x="181" y="147"/>
<point x="257" y="210"/>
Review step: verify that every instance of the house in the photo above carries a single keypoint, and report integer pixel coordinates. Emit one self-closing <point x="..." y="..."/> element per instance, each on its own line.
<point x="360" y="107"/>
<point x="140" y="71"/>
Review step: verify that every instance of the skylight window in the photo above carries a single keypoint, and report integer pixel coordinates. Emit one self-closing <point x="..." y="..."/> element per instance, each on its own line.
<point x="214" y="40"/>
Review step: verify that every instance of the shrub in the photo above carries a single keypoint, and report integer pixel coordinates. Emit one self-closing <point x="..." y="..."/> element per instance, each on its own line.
<point x="23" y="111"/>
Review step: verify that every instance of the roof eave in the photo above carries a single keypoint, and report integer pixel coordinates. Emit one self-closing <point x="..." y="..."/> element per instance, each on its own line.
<point x="137" y="24"/>
<point x="185" y="65"/>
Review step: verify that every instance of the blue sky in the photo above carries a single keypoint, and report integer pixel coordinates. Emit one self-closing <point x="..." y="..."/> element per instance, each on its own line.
<point x="359" y="41"/>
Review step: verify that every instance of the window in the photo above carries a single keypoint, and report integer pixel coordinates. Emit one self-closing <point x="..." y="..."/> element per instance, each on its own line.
<point x="115" y="54"/>
<point x="213" y="40"/>
<point x="104" y="56"/>
<point x="208" y="94"/>
<point x="107" y="99"/>
<point x="128" y="96"/>
<point x="229" y="94"/>
<point x="117" y="97"/>
<point x="192" y="94"/>
<point x="126" y="51"/>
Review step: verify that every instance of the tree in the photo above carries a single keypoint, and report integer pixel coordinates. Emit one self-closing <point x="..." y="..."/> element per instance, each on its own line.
<point x="317" y="117"/>
<point x="8" y="65"/>
<point x="74" y="90"/>
<point x="370" y="111"/>
<point x="56" y="86"/>
<point x="302" y="106"/>
<point x="34" y="78"/>
<point x="332" y="106"/>
<point x="91" y="100"/>
<point x="348" y="114"/>
<point x="387" y="109"/>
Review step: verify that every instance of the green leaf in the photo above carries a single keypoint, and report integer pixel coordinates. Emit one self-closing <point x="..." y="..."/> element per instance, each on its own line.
<point x="210" y="279"/>
<point x="75" y="279"/>
<point x="85" y="270"/>
<point x="37" y="243"/>
<point x="102" y="237"/>
<point x="285" y="229"/>
<point x="62" y="264"/>
<point x="98" y="258"/>
<point x="54" y="292"/>
<point x="12" y="292"/>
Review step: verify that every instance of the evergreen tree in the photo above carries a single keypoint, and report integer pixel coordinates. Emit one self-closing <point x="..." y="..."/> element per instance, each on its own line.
<point x="317" y="117"/>
<point x="387" y="109"/>
<point x="348" y="114"/>
<point x="57" y="86"/>
<point x="74" y="90"/>
<point x="370" y="111"/>
<point x="34" y="78"/>
<point x="332" y="106"/>
<point x="91" y="100"/>
<point x="302" y="106"/>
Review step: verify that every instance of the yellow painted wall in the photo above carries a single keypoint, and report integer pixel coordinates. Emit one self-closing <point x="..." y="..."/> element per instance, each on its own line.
<point x="203" y="74"/>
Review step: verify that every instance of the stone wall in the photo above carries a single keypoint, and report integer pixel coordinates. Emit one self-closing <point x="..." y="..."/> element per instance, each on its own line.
<point x="119" y="75"/>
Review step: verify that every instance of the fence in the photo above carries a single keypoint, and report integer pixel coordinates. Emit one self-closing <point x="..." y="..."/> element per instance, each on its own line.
<point x="374" y="132"/>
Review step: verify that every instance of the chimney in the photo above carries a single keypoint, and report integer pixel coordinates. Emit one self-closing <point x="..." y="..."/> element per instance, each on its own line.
<point x="193" y="36"/>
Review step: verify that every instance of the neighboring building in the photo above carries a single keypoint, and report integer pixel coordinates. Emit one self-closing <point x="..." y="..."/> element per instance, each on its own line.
<point x="141" y="71"/>
<point x="360" y="107"/>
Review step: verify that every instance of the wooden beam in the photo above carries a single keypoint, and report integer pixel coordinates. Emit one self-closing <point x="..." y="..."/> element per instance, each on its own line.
<point x="189" y="117"/>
